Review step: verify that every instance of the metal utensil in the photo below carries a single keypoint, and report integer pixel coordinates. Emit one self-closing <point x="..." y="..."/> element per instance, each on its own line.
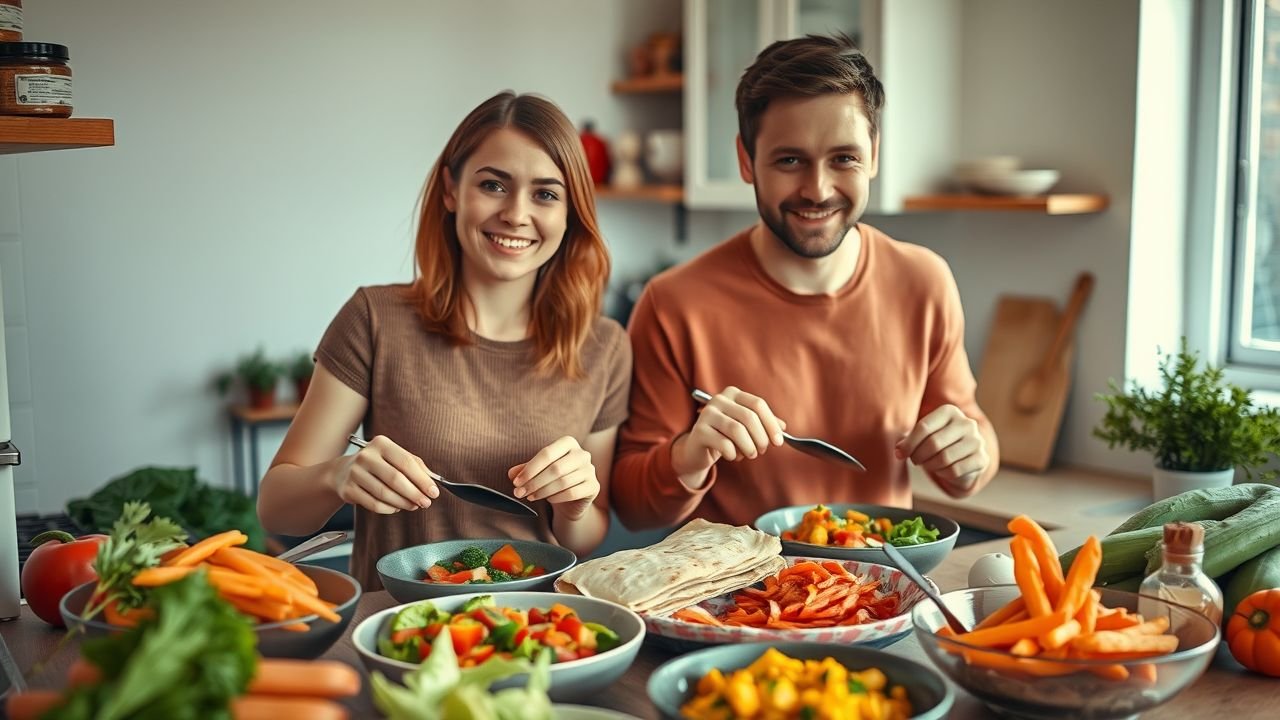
<point x="323" y="541"/>
<point x="809" y="446"/>
<point x="473" y="493"/>
<point x="910" y="571"/>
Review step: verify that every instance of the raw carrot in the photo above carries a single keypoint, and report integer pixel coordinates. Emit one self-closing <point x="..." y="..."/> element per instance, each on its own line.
<point x="157" y="576"/>
<point x="1025" y="647"/>
<point x="83" y="672"/>
<point x="1026" y="570"/>
<point x="1109" y="641"/>
<point x="1004" y="614"/>
<point x="1116" y="621"/>
<point x="288" y="570"/>
<point x="305" y="678"/>
<point x="1146" y="672"/>
<point x="1012" y="632"/>
<point x="1155" y="626"/>
<point x="262" y="707"/>
<point x="208" y="546"/>
<point x="1084" y="570"/>
<point x="30" y="704"/>
<point x="1045" y="551"/>
<point x="296" y="627"/>
<point x="261" y="608"/>
<point x="1060" y="635"/>
<point x="1088" y="615"/>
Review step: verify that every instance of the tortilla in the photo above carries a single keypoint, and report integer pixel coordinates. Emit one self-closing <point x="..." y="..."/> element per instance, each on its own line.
<point x="700" y="560"/>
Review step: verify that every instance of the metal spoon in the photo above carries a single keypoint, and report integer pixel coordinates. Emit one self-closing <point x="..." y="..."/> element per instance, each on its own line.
<point x="809" y="446"/>
<point x="320" y="542"/>
<point x="471" y="492"/>
<point x="910" y="571"/>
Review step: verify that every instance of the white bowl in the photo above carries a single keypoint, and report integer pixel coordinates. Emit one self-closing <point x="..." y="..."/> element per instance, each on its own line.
<point x="994" y="165"/>
<point x="1018" y="182"/>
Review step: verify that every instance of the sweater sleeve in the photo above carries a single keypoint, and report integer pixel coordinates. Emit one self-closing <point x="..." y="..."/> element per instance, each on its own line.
<point x="644" y="489"/>
<point x="346" y="349"/>
<point x="950" y="380"/>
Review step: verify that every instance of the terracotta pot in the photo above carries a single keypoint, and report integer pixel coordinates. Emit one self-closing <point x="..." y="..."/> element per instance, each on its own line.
<point x="261" y="399"/>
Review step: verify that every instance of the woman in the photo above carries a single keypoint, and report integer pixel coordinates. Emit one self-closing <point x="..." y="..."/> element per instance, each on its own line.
<point x="494" y="366"/>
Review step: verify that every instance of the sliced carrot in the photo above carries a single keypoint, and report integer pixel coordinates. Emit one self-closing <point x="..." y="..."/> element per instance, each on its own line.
<point x="1084" y="570"/>
<point x="305" y="678"/>
<point x="1088" y="614"/>
<point x="1060" y="635"/>
<point x="1012" y="632"/>
<point x="1026" y="570"/>
<point x="261" y="608"/>
<point x="1045" y="551"/>
<point x="1004" y="614"/>
<point x="262" y="707"/>
<point x="1156" y="626"/>
<point x="1146" y="672"/>
<point x="30" y="704"/>
<point x="1109" y="641"/>
<point x="1116" y="621"/>
<point x="157" y="576"/>
<point x="208" y="546"/>
<point x="1025" y="647"/>
<point x="296" y="627"/>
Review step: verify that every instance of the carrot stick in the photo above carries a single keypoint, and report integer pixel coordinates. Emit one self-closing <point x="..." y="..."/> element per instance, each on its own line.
<point x="83" y="672"/>
<point x="1026" y="570"/>
<point x="1060" y="635"/>
<point x="1025" y="647"/>
<point x="1156" y="626"/>
<point x="1010" y="633"/>
<point x="289" y="570"/>
<point x="1045" y="551"/>
<point x="208" y="546"/>
<point x="305" y="678"/>
<point x="261" y="608"/>
<point x="296" y="627"/>
<point x="1084" y="570"/>
<point x="1108" y="641"/>
<point x="1088" y="615"/>
<point x="1146" y="672"/>
<point x="1004" y="614"/>
<point x="240" y="560"/>
<point x="1116" y="621"/>
<point x="30" y="704"/>
<point x="262" y="707"/>
<point x="157" y="576"/>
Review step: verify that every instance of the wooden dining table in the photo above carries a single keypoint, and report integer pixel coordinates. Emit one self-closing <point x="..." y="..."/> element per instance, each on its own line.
<point x="1083" y="503"/>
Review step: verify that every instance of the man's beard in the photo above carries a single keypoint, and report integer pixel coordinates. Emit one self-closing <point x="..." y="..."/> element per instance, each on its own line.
<point x="814" y="244"/>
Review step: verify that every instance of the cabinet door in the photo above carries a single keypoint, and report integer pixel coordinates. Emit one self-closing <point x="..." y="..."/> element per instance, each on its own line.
<point x="722" y="38"/>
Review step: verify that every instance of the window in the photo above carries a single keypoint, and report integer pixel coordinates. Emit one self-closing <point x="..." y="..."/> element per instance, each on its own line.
<point x="1255" y="307"/>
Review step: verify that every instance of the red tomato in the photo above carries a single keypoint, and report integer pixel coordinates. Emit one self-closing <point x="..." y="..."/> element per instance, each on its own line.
<point x="59" y="564"/>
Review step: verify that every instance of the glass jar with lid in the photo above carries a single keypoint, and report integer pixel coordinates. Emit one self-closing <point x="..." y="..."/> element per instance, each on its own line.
<point x="35" y="79"/>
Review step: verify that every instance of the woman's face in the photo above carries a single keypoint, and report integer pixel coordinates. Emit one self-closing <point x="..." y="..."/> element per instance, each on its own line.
<point x="511" y="206"/>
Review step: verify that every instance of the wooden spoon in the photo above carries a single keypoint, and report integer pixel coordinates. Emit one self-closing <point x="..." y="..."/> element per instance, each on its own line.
<point x="1030" y="393"/>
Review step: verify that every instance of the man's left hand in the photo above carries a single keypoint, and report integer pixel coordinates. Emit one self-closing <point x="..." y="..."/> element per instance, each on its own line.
<point x="948" y="445"/>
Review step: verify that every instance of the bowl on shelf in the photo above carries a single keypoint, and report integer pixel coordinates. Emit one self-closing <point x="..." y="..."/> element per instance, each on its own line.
<point x="403" y="571"/>
<point x="675" y="682"/>
<point x="273" y="640"/>
<point x="1071" y="688"/>
<point x="924" y="557"/>
<point x="967" y="170"/>
<point x="571" y="681"/>
<point x="1017" y="182"/>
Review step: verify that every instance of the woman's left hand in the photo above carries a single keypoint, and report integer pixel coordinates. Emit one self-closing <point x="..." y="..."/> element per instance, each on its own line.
<point x="560" y="473"/>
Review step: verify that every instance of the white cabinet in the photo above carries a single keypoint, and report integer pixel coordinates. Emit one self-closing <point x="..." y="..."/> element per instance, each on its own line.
<point x="912" y="44"/>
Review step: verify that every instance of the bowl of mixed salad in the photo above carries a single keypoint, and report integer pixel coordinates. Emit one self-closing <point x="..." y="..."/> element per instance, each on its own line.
<point x="844" y="531"/>
<point x="463" y="567"/>
<point x="589" y="643"/>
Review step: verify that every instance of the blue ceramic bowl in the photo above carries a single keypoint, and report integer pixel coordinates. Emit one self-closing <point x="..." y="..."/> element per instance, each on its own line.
<point x="676" y="681"/>
<point x="573" y="681"/>
<point x="924" y="557"/>
<point x="402" y="571"/>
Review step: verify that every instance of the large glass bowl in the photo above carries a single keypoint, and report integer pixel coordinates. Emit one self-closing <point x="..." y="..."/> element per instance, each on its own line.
<point x="1085" y="693"/>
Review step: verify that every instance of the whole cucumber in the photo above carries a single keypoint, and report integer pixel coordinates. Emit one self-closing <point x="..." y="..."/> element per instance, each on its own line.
<point x="1206" y="504"/>
<point x="1260" y="573"/>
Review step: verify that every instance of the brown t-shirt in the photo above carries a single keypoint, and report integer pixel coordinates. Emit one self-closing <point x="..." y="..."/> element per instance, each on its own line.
<point x="470" y="412"/>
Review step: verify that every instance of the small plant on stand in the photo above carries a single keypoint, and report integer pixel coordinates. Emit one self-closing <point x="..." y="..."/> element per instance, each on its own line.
<point x="259" y="376"/>
<point x="300" y="371"/>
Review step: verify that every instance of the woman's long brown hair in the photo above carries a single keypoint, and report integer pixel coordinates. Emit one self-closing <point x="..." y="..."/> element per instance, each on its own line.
<point x="569" y="290"/>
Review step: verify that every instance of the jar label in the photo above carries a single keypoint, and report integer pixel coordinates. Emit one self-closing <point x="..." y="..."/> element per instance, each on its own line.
<point x="43" y="89"/>
<point x="10" y="18"/>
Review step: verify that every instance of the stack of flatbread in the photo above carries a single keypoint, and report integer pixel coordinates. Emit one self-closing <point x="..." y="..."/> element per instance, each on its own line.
<point x="699" y="561"/>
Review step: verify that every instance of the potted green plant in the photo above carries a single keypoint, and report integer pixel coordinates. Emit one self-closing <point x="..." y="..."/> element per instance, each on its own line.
<point x="1198" y="427"/>
<point x="301" y="369"/>
<point x="259" y="376"/>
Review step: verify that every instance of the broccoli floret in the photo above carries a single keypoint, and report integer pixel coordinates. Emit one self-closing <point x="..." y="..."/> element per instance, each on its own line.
<point x="473" y="557"/>
<point x="496" y="575"/>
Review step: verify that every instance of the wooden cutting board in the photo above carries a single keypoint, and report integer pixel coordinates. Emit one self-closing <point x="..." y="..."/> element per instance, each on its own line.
<point x="1026" y="373"/>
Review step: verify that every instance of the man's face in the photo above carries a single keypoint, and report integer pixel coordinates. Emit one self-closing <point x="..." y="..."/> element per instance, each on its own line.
<point x="814" y="160"/>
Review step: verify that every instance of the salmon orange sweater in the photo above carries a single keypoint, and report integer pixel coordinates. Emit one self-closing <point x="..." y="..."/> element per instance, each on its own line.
<point x="856" y="368"/>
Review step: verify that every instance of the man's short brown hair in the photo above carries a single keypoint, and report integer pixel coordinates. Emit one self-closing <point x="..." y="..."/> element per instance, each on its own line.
<point x="806" y="67"/>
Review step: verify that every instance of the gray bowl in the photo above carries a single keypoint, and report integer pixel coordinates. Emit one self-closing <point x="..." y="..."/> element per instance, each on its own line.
<point x="273" y="641"/>
<point x="573" y="681"/>
<point x="924" y="557"/>
<point x="402" y="571"/>
<point x="675" y="682"/>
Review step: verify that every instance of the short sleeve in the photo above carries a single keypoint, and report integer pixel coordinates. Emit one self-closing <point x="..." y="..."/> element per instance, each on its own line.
<point x="346" y="349"/>
<point x="617" y="381"/>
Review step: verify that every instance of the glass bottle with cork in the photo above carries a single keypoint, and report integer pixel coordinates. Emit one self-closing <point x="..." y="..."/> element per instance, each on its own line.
<point x="1180" y="578"/>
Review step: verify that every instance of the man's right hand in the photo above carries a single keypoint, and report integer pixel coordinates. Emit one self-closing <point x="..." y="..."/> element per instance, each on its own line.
<point x="732" y="425"/>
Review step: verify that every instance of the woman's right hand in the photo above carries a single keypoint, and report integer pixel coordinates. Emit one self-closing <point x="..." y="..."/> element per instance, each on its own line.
<point x="385" y="478"/>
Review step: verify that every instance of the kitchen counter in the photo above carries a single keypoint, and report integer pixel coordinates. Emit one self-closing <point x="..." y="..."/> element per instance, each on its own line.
<point x="1070" y="503"/>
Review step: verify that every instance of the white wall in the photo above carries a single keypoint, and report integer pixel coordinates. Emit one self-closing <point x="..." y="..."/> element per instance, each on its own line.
<point x="268" y="158"/>
<point x="269" y="155"/>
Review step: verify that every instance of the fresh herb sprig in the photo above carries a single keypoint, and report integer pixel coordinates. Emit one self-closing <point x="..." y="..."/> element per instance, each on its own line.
<point x="135" y="543"/>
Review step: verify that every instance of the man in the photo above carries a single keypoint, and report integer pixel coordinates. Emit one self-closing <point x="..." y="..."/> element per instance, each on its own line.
<point x="808" y="321"/>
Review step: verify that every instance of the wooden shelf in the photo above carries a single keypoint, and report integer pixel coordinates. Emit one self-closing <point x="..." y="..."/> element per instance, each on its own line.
<point x="651" y="84"/>
<point x="1055" y="204"/>
<point x="33" y="134"/>
<point x="652" y="193"/>
<point x="275" y="413"/>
